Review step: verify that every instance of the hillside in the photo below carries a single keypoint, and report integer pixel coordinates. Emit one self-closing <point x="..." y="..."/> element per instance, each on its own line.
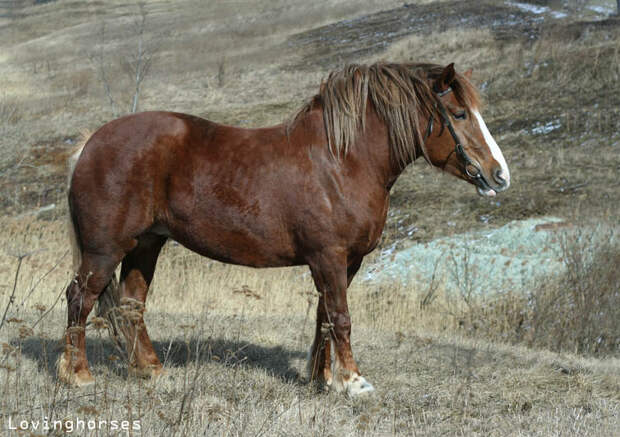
<point x="539" y="358"/>
<point x="255" y="66"/>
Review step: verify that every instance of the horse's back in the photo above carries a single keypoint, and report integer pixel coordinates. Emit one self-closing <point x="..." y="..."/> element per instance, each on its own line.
<point x="199" y="182"/>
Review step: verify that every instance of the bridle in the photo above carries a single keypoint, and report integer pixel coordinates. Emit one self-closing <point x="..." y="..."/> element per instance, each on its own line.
<point x="458" y="146"/>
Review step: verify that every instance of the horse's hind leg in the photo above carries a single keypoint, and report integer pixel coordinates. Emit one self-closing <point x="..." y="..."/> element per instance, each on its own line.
<point x="136" y="274"/>
<point x="94" y="273"/>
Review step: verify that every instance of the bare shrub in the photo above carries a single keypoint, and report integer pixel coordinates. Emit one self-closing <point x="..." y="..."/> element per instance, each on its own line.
<point x="581" y="311"/>
<point x="578" y="311"/>
<point x="135" y="62"/>
<point x="221" y="72"/>
<point x="8" y="113"/>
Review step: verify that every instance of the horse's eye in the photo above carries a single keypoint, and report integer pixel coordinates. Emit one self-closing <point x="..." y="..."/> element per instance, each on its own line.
<point x="462" y="115"/>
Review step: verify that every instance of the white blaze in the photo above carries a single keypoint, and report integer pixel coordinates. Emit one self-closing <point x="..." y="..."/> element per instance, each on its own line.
<point x="495" y="151"/>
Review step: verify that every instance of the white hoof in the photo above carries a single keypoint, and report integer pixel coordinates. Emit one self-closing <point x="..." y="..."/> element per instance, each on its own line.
<point x="359" y="386"/>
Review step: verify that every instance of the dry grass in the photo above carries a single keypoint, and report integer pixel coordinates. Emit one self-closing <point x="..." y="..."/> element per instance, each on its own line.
<point x="238" y="376"/>
<point x="237" y="69"/>
<point x="576" y="311"/>
<point x="234" y="339"/>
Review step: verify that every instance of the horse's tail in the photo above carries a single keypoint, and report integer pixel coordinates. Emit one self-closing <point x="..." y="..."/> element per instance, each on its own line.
<point x="73" y="229"/>
<point x="110" y="296"/>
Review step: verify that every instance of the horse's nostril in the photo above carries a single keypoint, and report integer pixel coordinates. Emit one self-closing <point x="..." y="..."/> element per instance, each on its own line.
<point x="472" y="170"/>
<point x="498" y="175"/>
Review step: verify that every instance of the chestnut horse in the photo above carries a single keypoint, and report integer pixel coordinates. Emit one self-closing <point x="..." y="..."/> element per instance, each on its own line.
<point x="312" y="191"/>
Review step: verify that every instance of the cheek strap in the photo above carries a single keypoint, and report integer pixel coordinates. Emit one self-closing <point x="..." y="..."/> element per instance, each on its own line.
<point x="458" y="146"/>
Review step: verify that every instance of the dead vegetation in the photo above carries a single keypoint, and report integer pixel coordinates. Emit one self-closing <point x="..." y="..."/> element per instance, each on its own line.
<point x="233" y="340"/>
<point x="577" y="311"/>
<point x="550" y="101"/>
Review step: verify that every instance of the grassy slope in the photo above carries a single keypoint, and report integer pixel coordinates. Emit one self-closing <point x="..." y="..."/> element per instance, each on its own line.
<point x="234" y="342"/>
<point x="255" y="67"/>
<point x="241" y="379"/>
<point x="430" y="380"/>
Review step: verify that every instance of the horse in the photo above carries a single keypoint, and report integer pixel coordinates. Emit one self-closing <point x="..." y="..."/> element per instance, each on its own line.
<point x="313" y="190"/>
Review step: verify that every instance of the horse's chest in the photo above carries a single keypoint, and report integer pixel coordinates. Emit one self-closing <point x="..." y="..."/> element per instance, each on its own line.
<point x="366" y="230"/>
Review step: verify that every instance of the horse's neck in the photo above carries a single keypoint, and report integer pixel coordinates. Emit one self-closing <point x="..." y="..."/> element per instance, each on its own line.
<point x="373" y="145"/>
<point x="370" y="152"/>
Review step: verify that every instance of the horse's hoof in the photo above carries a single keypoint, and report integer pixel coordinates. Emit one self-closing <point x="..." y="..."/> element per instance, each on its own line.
<point x="358" y="386"/>
<point x="67" y="374"/>
<point x="147" y="372"/>
<point x="83" y="378"/>
<point x="158" y="372"/>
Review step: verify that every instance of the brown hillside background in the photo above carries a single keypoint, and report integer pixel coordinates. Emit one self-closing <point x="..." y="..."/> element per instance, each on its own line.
<point x="233" y="340"/>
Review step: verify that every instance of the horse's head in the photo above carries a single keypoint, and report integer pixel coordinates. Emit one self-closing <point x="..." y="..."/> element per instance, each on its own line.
<point x="458" y="140"/>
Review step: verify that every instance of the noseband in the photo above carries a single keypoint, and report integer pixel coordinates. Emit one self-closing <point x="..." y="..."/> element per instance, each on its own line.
<point x="458" y="146"/>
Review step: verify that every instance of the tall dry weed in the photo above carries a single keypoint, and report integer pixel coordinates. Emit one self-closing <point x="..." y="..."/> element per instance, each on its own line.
<point x="578" y="311"/>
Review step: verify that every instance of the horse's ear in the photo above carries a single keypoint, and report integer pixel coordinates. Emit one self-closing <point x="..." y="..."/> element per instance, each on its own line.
<point x="468" y="73"/>
<point x="446" y="78"/>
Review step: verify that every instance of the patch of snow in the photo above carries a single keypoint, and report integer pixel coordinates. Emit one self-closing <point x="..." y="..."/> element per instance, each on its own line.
<point x="514" y="256"/>
<point x="543" y="129"/>
<point x="603" y="10"/>
<point x="412" y="230"/>
<point x="535" y="9"/>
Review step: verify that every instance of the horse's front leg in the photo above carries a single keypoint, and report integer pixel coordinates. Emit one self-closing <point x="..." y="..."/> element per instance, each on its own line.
<point x="332" y="276"/>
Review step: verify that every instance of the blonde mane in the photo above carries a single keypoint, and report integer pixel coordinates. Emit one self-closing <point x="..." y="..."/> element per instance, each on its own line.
<point x="399" y="93"/>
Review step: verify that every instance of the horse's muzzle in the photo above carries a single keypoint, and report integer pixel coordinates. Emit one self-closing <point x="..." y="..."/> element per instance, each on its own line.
<point x="487" y="186"/>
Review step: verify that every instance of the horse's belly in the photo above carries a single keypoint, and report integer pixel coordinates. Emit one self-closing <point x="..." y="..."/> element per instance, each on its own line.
<point x="237" y="245"/>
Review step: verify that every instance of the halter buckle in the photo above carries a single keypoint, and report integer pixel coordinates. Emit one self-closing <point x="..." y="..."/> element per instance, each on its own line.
<point x="444" y="92"/>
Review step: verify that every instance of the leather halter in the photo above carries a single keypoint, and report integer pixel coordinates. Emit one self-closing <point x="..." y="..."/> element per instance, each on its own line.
<point x="458" y="146"/>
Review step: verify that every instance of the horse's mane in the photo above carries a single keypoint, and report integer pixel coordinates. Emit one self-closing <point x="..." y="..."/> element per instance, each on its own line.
<point x="400" y="93"/>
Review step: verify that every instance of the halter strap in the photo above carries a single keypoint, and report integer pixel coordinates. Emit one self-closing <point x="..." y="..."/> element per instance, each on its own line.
<point x="446" y="122"/>
<point x="442" y="93"/>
